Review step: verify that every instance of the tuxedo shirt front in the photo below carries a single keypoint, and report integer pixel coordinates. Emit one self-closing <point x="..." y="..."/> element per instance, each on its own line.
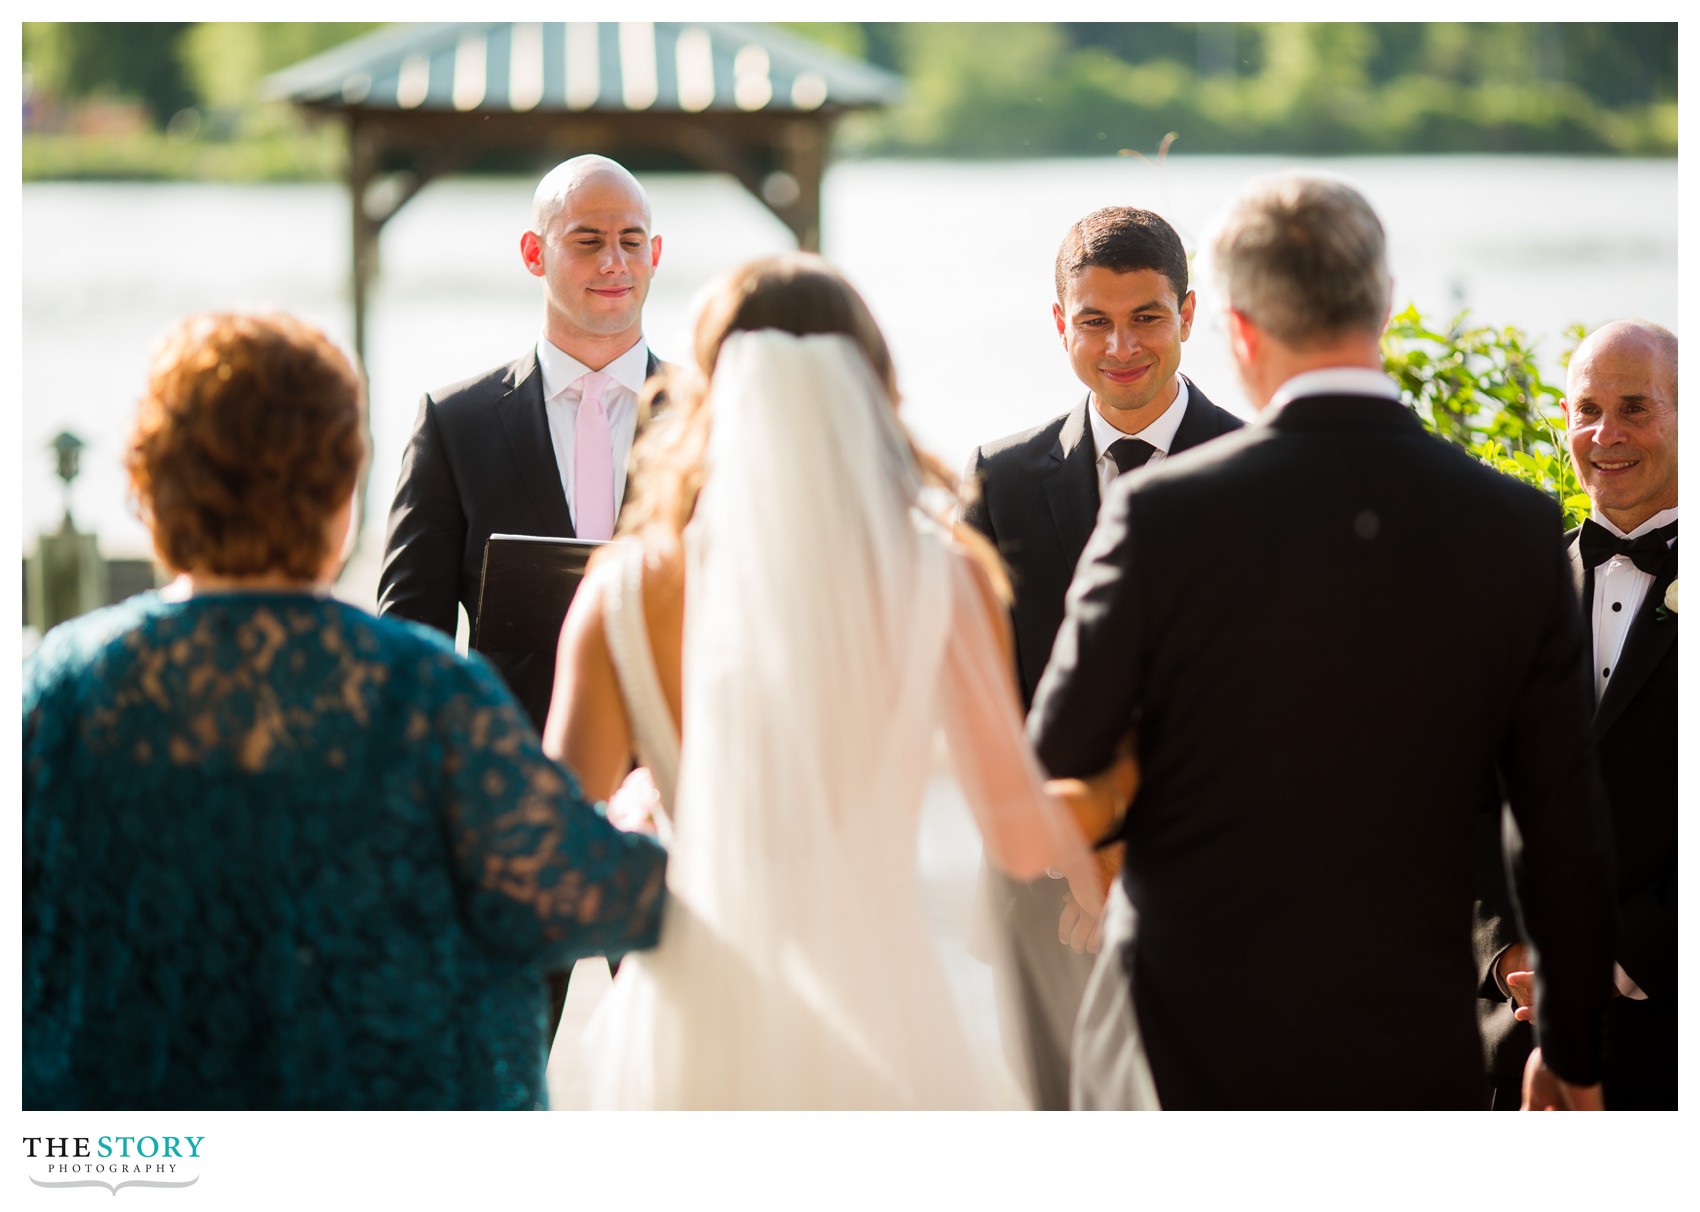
<point x="1619" y="590"/>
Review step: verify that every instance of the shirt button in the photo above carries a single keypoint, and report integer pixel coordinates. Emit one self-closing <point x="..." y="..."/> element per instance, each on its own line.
<point x="1607" y="671"/>
<point x="1617" y="605"/>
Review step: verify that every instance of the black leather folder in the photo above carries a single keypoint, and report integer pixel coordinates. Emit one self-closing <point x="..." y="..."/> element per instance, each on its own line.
<point x="527" y="584"/>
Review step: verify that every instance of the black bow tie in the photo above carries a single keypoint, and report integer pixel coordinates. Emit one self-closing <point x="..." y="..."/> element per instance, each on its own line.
<point x="1647" y="552"/>
<point x="1130" y="453"/>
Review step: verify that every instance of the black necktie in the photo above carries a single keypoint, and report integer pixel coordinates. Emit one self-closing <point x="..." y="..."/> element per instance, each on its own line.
<point x="1130" y="453"/>
<point x="1599" y="545"/>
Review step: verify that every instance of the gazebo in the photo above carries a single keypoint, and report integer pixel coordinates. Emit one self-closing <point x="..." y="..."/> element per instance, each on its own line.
<point x="425" y="101"/>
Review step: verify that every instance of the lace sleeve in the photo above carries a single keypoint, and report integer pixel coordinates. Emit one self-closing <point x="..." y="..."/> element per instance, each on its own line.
<point x="541" y="868"/>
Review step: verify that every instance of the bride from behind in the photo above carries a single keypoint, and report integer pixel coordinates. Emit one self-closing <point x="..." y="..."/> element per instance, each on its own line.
<point x="784" y="604"/>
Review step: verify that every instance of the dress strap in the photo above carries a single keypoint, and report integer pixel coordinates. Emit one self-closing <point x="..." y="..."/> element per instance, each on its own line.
<point x="653" y="733"/>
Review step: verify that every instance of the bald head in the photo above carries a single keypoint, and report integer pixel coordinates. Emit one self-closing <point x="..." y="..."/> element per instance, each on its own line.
<point x="577" y="175"/>
<point x="591" y="243"/>
<point x="1651" y="345"/>
<point x="1620" y="407"/>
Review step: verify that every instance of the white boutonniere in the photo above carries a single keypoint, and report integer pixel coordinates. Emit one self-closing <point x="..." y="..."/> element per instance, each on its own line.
<point x="1668" y="609"/>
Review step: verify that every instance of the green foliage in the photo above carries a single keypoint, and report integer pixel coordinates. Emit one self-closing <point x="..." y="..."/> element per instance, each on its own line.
<point x="316" y="154"/>
<point x="1007" y="89"/>
<point x="846" y="37"/>
<point x="226" y="60"/>
<point x="127" y="59"/>
<point x="1481" y="389"/>
<point x="994" y="89"/>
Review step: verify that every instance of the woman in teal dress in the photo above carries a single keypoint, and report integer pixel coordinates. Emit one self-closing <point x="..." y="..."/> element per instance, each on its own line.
<point x="277" y="852"/>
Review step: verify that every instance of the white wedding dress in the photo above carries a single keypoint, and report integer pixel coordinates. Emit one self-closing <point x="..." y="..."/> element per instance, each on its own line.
<point x="830" y="633"/>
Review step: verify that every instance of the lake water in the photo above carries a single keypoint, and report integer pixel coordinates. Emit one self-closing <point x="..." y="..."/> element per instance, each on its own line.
<point x="954" y="258"/>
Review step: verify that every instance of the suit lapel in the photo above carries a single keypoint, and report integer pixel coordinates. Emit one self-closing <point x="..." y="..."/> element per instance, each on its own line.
<point x="1198" y="423"/>
<point x="531" y="452"/>
<point x="1071" y="482"/>
<point x="1644" y="647"/>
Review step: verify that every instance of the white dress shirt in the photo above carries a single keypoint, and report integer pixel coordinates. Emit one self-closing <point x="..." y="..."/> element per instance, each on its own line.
<point x="1619" y="590"/>
<point x="1160" y="434"/>
<point x="1332" y="381"/>
<point x="562" y="393"/>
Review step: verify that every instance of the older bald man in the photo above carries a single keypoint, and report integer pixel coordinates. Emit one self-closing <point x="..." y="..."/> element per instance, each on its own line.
<point x="1620" y="405"/>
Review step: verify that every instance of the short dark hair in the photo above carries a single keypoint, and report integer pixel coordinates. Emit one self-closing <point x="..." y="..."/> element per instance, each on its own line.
<point x="249" y="438"/>
<point x="1123" y="239"/>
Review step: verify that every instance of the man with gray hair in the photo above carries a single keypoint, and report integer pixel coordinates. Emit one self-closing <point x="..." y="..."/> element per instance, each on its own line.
<point x="538" y="445"/>
<point x="1313" y="765"/>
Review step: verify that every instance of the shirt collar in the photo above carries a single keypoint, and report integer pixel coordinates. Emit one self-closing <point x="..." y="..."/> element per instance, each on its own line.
<point x="561" y="370"/>
<point x="1663" y="518"/>
<point x="1333" y="381"/>
<point x="1160" y="433"/>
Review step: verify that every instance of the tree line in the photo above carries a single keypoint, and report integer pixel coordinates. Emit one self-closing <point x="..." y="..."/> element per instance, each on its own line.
<point x="973" y="90"/>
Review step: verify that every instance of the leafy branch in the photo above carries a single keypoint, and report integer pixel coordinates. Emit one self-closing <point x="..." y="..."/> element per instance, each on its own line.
<point x="1481" y="389"/>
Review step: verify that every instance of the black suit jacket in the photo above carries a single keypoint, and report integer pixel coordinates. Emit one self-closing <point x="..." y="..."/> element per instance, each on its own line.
<point x="1634" y="734"/>
<point x="1036" y="497"/>
<point x="1357" y="626"/>
<point x="1038" y="500"/>
<point x="480" y="462"/>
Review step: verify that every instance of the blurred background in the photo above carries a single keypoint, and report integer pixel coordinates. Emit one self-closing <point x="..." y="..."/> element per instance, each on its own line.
<point x="1526" y="172"/>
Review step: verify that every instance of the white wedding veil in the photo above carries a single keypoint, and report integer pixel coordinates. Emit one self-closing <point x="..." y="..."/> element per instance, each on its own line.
<point x="831" y="630"/>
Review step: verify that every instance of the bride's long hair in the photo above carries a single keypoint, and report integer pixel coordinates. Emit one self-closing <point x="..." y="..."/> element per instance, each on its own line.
<point x="829" y="639"/>
<point x="796" y="293"/>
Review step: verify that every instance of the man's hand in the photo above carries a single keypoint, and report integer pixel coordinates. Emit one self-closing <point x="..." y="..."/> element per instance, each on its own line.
<point x="1110" y="863"/>
<point x="635" y="803"/>
<point x="1513" y="970"/>
<point x="1544" y="1090"/>
<point x="1079" y="929"/>
<point x="1097" y="804"/>
<point x="1522" y="986"/>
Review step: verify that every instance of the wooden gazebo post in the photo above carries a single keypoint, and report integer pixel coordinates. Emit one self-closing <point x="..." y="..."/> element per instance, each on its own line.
<point x="438" y="96"/>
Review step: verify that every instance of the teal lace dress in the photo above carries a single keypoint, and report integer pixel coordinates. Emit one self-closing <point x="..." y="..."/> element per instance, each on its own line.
<point x="280" y="853"/>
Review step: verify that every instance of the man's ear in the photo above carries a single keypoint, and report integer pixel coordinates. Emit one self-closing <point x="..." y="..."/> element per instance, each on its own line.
<point x="1564" y="407"/>
<point x="1062" y="322"/>
<point x="1243" y="336"/>
<point x="1189" y="305"/>
<point x="655" y="252"/>
<point x="531" y="252"/>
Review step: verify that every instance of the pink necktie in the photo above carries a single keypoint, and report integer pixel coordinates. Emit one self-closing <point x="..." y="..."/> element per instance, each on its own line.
<point x="593" y="463"/>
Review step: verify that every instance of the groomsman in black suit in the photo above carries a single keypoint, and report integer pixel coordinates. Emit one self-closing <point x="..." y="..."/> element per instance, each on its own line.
<point x="538" y="445"/>
<point x="1123" y="310"/>
<point x="1311" y="761"/>
<point x="1620" y="404"/>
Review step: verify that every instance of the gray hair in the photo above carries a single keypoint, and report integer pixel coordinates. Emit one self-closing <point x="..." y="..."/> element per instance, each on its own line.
<point x="567" y="176"/>
<point x="1304" y="258"/>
